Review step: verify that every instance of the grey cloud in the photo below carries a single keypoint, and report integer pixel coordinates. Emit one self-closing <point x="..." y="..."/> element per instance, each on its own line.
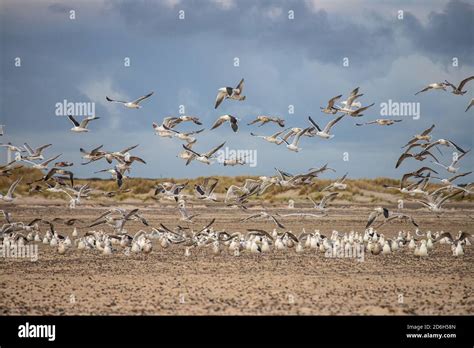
<point x="447" y="34"/>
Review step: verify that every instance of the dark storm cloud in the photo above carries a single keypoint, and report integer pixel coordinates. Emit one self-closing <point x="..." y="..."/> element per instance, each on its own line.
<point x="326" y="37"/>
<point x="447" y="34"/>
<point x="323" y="36"/>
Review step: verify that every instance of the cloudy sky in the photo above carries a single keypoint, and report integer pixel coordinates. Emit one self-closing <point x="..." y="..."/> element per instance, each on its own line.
<point x="289" y="52"/>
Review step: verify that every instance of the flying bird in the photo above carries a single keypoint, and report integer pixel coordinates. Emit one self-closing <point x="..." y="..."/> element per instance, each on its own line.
<point x="262" y="119"/>
<point x="451" y="168"/>
<point x="172" y="122"/>
<point x="184" y="135"/>
<point x="458" y="90"/>
<point x="274" y="138"/>
<point x="230" y="93"/>
<point x="330" y="108"/>
<point x="226" y="118"/>
<point x="35" y="154"/>
<point x="380" y="122"/>
<point x="131" y="104"/>
<point x="437" y="85"/>
<point x="324" y="133"/>
<point x="423" y="136"/>
<point x="324" y="201"/>
<point x="375" y="214"/>
<point x="205" y="157"/>
<point x="294" y="145"/>
<point x="81" y="127"/>
<point x="9" y="197"/>
<point x="421" y="156"/>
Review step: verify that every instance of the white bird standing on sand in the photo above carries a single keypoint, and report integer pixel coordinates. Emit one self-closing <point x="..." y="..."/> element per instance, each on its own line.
<point x="423" y="251"/>
<point x="131" y="104"/>
<point x="324" y="133"/>
<point x="230" y="93"/>
<point x="81" y="127"/>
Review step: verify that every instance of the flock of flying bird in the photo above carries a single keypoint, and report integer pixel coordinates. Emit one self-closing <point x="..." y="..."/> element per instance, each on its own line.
<point x="60" y="179"/>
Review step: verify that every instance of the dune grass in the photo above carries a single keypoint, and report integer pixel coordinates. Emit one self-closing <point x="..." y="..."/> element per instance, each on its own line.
<point x="367" y="190"/>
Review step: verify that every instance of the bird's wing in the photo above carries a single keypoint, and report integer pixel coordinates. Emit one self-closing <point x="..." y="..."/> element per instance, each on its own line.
<point x="233" y="123"/>
<point x="42" y="147"/>
<point x="299" y="135"/>
<point x="470" y="104"/>
<point x="333" y="100"/>
<point x="142" y="98"/>
<point x="260" y="232"/>
<point x="214" y="150"/>
<point x="276" y="221"/>
<point x="313" y="123"/>
<point x="218" y="122"/>
<point x="220" y="97"/>
<point x="373" y="215"/>
<point x="50" y="160"/>
<point x="332" y="123"/>
<point x="428" y="131"/>
<point x="13" y="187"/>
<point x="359" y="110"/>
<point x="423" y="90"/>
<point x="456" y="146"/>
<point x="463" y="82"/>
<point x="451" y="179"/>
<point x="343" y="178"/>
<point x="444" y="199"/>
<point x="444" y="235"/>
<point x="191" y="150"/>
<point x="326" y="199"/>
<point x="85" y="122"/>
<point x="402" y="158"/>
<point x="115" y="101"/>
<point x="73" y="120"/>
<point x="240" y="86"/>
